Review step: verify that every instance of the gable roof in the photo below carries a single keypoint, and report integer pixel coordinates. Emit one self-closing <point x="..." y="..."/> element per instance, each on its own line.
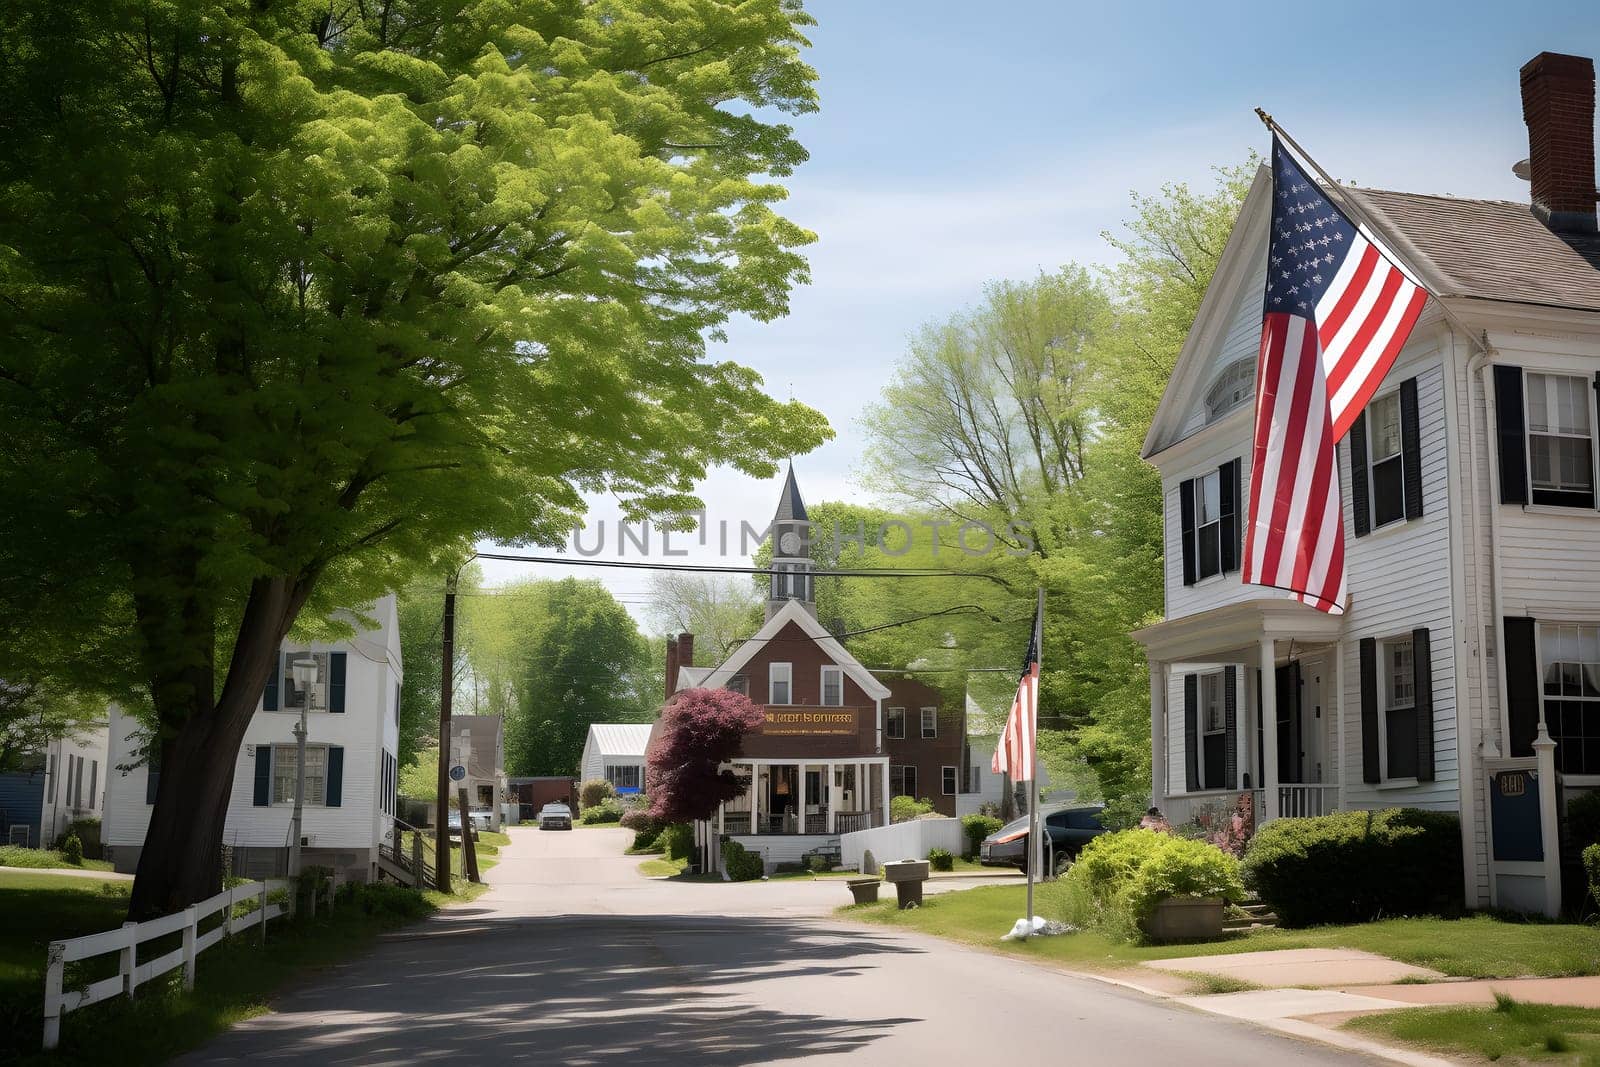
<point x="792" y="611"/>
<point x="1458" y="247"/>
<point x="626" y="739"/>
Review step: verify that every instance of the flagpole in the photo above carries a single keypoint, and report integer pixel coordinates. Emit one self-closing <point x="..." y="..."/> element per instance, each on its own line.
<point x="1035" y="845"/>
<point x="1361" y="216"/>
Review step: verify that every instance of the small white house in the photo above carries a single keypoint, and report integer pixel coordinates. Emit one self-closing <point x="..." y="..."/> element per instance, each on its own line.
<point x="63" y="783"/>
<point x="351" y="764"/>
<point x="615" y="751"/>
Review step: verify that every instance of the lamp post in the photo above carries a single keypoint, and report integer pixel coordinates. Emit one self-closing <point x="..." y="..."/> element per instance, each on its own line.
<point x="304" y="672"/>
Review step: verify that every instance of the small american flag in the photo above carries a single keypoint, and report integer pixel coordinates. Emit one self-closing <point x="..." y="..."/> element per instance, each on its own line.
<point x="1338" y="309"/>
<point x="1014" y="755"/>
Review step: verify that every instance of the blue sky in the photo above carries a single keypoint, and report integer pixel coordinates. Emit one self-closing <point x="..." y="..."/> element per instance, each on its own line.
<point x="961" y="142"/>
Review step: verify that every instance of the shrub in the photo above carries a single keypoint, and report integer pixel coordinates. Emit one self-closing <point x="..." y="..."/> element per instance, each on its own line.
<point x="604" y="812"/>
<point x="819" y="864"/>
<point x="72" y="849"/>
<point x="1119" y="878"/>
<point x="740" y="863"/>
<point x="1355" y="866"/>
<point x="1583" y="819"/>
<point x="904" y="809"/>
<point x="595" y="791"/>
<point x="940" y="859"/>
<point x="387" y="899"/>
<point x="88" y="831"/>
<point x="677" y="841"/>
<point x="1591" y="866"/>
<point x="645" y="828"/>
<point x="976" y="828"/>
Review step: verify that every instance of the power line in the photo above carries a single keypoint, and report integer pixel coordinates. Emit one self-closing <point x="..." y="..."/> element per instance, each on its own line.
<point x="901" y="572"/>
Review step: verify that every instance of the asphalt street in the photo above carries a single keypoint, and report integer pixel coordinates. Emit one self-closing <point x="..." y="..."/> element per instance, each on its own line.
<point x="574" y="958"/>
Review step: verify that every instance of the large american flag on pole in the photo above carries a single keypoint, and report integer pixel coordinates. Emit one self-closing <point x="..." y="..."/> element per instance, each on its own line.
<point x="1014" y="753"/>
<point x="1338" y="309"/>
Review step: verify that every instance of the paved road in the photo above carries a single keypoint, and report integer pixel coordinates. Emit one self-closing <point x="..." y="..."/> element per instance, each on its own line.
<point x="572" y="958"/>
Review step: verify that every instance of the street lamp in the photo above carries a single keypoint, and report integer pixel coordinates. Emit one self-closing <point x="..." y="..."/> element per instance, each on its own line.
<point x="304" y="672"/>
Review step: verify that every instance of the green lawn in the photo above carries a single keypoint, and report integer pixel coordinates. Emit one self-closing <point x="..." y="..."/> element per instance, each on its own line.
<point x="662" y="868"/>
<point x="1512" y="1030"/>
<point x="17" y="856"/>
<point x="235" y="980"/>
<point x="1477" y="947"/>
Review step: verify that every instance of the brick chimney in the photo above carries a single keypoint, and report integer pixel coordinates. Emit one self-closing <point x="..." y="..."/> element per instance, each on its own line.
<point x="672" y="665"/>
<point x="1558" y="106"/>
<point x="686" y="650"/>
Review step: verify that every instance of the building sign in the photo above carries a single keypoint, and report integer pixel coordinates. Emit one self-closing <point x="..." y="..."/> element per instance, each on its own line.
<point x="1514" y="817"/>
<point x="813" y="722"/>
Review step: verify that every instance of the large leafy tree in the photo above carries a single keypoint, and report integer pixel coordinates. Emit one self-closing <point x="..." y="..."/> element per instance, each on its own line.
<point x="298" y="298"/>
<point x="719" y="610"/>
<point x="700" y="731"/>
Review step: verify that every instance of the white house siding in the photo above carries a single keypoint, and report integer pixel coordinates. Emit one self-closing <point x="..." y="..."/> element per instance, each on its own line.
<point x="1242" y="339"/>
<point x="127" y="816"/>
<point x="1399" y="579"/>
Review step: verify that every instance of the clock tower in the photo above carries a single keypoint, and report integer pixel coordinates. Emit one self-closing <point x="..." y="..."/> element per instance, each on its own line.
<point x="791" y="542"/>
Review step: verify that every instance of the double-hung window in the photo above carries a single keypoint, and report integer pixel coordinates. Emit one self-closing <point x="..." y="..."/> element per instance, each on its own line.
<point x="1571" y="656"/>
<point x="947" y="781"/>
<point x="1208" y="524"/>
<point x="930" y="722"/>
<point x="285" y="761"/>
<point x="832" y="687"/>
<point x="1560" y="438"/>
<point x="780" y="679"/>
<point x="1386" y="464"/>
<point x="895" y="722"/>
<point x="1213" y="732"/>
<point x="1399" y="732"/>
<point x="903" y="781"/>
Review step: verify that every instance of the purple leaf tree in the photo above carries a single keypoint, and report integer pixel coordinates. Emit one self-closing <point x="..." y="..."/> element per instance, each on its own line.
<point x="700" y="730"/>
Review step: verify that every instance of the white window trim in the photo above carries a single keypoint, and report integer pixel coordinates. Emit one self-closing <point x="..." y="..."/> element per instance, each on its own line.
<point x="1199" y="500"/>
<point x="1373" y="460"/>
<point x="310" y="803"/>
<point x="1587" y="376"/>
<point x="788" y="682"/>
<point x="822" y="690"/>
<point x="888" y="719"/>
<point x="951" y="774"/>
<point x="1385" y="680"/>
<point x="923" y="721"/>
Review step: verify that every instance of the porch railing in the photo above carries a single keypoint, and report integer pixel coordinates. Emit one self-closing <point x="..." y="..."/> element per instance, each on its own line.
<point x="1295" y="801"/>
<point x="737" y="823"/>
<point x="1306" y="800"/>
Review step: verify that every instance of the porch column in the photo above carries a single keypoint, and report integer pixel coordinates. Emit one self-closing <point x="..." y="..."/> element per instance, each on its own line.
<point x="800" y="794"/>
<point x="1269" y="731"/>
<point x="1241" y="724"/>
<point x="755" y="798"/>
<point x="1158" y="733"/>
<point x="883" y="779"/>
<point x="832" y="792"/>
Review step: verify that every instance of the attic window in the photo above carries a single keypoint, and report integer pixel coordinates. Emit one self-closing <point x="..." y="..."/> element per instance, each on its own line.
<point x="1232" y="388"/>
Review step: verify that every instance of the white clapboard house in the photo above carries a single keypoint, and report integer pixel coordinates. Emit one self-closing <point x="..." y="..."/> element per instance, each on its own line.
<point x="352" y="739"/>
<point x="1471" y="533"/>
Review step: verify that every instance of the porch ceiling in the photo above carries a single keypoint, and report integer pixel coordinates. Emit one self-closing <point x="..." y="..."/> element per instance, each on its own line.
<point x="1225" y="630"/>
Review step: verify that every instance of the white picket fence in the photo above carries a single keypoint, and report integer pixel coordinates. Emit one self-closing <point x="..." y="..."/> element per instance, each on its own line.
<point x="126" y="940"/>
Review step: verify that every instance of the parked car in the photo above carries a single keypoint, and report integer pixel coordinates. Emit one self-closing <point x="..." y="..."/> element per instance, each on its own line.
<point x="555" y="816"/>
<point x="1066" y="829"/>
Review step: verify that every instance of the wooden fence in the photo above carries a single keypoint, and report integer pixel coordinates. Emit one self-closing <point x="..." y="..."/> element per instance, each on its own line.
<point x="133" y="972"/>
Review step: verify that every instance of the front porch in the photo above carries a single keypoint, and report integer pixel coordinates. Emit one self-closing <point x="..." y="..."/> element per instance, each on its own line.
<point x="1246" y="698"/>
<point x="786" y="797"/>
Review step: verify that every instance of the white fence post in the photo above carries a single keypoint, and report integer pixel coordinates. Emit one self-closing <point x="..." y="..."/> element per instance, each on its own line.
<point x="189" y="933"/>
<point x="130" y="959"/>
<point x="227" y="913"/>
<point x="263" y="912"/>
<point x="54" y="967"/>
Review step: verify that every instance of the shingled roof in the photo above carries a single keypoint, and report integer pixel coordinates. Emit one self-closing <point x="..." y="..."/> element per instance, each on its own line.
<point x="790" y="506"/>
<point x="1487" y="249"/>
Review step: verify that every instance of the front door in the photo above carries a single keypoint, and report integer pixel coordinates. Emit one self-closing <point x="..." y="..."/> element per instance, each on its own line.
<point x="1291" y="756"/>
<point x="1313" y="735"/>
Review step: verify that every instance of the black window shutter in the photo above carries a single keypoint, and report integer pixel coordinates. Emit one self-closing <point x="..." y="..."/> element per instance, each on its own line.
<point x="1422" y="680"/>
<point x="263" y="793"/>
<point x="333" y="796"/>
<point x="1360" y="480"/>
<point x="336" y="667"/>
<point x="1522" y="685"/>
<point x="1230" y="526"/>
<point x="1511" y="431"/>
<point x="1411" y="448"/>
<point x="1370" y="771"/>
<point x="1186" y="511"/>
<point x="1191" y="733"/>
<point x="1230" y="724"/>
<point x="152" y="777"/>
<point x="269" y="696"/>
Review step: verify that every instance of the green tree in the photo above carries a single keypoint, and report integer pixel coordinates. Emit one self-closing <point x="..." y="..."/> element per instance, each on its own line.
<point x="421" y="610"/>
<point x="719" y="610"/>
<point x="585" y="663"/>
<point x="300" y="299"/>
<point x="31" y="716"/>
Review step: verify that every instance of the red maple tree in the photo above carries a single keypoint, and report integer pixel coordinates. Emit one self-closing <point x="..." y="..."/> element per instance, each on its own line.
<point x="700" y="730"/>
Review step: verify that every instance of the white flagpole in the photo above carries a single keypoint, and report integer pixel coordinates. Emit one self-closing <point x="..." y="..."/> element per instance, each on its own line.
<point x="1035" y="845"/>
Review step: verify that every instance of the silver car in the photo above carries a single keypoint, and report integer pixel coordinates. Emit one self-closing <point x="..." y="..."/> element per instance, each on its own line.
<point x="555" y="816"/>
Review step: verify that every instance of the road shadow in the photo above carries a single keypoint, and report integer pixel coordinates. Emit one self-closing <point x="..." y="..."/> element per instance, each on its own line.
<point x="585" y="989"/>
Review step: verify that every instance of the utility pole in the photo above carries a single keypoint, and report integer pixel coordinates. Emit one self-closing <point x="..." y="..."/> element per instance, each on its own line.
<point x="441" y="839"/>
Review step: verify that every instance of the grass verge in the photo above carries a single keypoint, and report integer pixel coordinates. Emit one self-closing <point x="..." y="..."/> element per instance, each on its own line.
<point x="17" y="856"/>
<point x="235" y="980"/>
<point x="1512" y="1030"/>
<point x="1476" y="947"/>
<point x="662" y="868"/>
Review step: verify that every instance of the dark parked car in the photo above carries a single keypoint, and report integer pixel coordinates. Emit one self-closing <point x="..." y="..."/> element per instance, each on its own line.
<point x="1066" y="829"/>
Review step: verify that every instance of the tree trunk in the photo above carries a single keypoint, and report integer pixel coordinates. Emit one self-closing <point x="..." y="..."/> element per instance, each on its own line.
<point x="181" y="862"/>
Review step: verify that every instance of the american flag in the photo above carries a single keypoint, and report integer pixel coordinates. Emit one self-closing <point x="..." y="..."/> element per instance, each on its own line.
<point x="1338" y="308"/>
<point x="1014" y="754"/>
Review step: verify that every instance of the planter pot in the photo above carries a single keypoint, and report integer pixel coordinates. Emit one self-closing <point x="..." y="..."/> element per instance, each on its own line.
<point x="905" y="871"/>
<point x="865" y="890"/>
<point x="1185" y="919"/>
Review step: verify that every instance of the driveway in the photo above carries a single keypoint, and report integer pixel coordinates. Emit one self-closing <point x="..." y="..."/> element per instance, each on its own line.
<point x="573" y="958"/>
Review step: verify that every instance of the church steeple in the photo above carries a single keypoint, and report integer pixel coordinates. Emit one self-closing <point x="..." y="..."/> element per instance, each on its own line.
<point x="791" y="540"/>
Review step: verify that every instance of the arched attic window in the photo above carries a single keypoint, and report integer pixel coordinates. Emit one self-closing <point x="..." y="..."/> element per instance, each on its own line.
<point x="1232" y="388"/>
